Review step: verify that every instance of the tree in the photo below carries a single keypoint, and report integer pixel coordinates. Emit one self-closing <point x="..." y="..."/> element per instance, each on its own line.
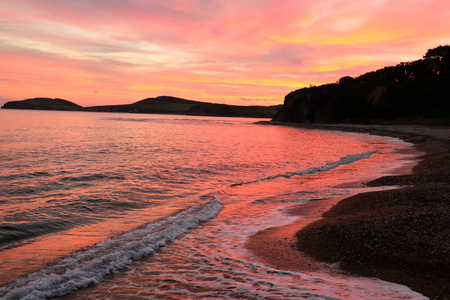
<point x="438" y="53"/>
<point x="439" y="59"/>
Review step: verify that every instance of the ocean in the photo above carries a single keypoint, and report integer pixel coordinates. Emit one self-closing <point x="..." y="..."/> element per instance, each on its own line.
<point x="133" y="206"/>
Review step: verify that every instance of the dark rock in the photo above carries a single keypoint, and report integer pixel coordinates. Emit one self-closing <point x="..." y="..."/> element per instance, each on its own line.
<point x="412" y="92"/>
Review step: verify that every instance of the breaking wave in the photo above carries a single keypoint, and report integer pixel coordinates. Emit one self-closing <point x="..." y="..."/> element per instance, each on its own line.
<point x="329" y="166"/>
<point x="88" y="267"/>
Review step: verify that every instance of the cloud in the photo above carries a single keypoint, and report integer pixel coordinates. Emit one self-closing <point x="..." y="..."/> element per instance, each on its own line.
<point x="200" y="48"/>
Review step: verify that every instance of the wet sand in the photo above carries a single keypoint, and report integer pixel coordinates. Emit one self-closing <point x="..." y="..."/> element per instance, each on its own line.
<point x="400" y="235"/>
<point x="277" y="246"/>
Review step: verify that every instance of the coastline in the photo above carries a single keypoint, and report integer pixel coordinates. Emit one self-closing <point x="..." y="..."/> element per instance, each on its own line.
<point x="276" y="246"/>
<point x="400" y="235"/>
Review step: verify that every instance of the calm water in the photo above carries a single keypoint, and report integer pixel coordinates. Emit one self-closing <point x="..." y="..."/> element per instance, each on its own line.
<point x="166" y="203"/>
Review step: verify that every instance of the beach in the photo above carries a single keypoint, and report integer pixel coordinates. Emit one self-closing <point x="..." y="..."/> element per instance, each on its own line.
<point x="399" y="235"/>
<point x="118" y="206"/>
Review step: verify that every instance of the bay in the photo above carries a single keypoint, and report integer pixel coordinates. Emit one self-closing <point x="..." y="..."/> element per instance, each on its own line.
<point x="167" y="203"/>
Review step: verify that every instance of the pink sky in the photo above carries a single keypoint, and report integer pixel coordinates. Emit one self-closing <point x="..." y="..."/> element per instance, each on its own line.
<point x="251" y="52"/>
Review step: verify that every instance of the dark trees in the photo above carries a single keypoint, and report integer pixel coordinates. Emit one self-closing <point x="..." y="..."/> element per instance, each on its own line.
<point x="408" y="92"/>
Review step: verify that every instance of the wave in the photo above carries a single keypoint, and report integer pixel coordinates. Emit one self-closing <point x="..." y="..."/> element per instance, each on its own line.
<point x="132" y="119"/>
<point x="90" y="266"/>
<point x="10" y="233"/>
<point x="26" y="175"/>
<point x="329" y="166"/>
<point x="92" y="177"/>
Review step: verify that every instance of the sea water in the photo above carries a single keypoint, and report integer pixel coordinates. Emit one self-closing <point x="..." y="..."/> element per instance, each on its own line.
<point x="128" y="206"/>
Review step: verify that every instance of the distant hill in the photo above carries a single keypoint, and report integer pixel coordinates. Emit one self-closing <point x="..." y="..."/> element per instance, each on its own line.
<point x="179" y="106"/>
<point x="158" y="105"/>
<point x="413" y="92"/>
<point x="43" y="104"/>
<point x="211" y="109"/>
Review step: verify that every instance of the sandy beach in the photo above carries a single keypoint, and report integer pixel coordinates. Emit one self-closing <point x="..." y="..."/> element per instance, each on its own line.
<point x="400" y="235"/>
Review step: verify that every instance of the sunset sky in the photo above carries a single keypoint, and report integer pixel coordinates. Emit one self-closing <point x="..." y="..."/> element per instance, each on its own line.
<point x="247" y="52"/>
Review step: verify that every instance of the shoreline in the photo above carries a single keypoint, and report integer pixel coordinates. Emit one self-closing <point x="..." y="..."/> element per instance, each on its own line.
<point x="400" y="235"/>
<point x="275" y="246"/>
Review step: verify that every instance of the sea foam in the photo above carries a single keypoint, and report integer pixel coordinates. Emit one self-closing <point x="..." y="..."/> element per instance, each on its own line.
<point x="329" y="166"/>
<point x="91" y="265"/>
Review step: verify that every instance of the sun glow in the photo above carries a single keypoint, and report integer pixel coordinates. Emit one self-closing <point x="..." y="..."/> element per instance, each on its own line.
<point x="95" y="53"/>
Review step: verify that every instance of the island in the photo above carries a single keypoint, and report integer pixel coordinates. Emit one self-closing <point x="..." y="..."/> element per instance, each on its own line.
<point x="43" y="104"/>
<point x="158" y="105"/>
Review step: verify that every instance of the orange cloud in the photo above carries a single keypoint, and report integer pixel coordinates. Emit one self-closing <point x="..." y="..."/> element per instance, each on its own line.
<point x="107" y="52"/>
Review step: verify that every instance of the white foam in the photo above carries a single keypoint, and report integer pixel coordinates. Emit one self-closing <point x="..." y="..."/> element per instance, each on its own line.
<point x="92" y="265"/>
<point x="345" y="160"/>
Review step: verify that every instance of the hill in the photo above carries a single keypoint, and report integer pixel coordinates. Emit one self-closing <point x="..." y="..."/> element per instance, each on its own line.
<point x="212" y="109"/>
<point x="43" y="104"/>
<point x="412" y="92"/>
<point x="179" y="106"/>
<point x="158" y="105"/>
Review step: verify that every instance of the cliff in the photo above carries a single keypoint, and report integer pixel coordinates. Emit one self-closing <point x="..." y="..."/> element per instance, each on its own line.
<point x="412" y="92"/>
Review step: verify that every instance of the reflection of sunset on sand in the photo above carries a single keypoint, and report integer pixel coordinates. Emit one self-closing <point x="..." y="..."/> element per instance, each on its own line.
<point x="276" y="246"/>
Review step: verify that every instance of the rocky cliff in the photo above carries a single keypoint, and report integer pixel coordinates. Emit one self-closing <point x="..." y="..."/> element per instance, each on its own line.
<point x="411" y="92"/>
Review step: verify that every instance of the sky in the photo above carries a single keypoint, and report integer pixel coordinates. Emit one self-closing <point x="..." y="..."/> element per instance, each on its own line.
<point x="244" y="52"/>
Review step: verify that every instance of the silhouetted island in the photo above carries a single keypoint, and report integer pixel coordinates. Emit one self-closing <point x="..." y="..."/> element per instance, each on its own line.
<point x="174" y="105"/>
<point x="43" y="104"/>
<point x="158" y="105"/>
<point x="415" y="92"/>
